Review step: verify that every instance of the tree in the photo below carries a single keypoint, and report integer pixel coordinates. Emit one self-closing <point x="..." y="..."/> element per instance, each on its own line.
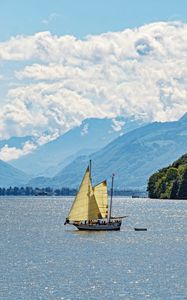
<point x="170" y="182"/>
<point x="182" y="193"/>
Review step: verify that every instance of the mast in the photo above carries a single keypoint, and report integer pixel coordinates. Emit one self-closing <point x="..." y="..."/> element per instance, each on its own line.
<point x="90" y="166"/>
<point x="89" y="186"/>
<point x="111" y="196"/>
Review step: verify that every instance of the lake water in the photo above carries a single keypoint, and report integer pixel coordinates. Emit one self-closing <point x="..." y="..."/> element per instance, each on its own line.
<point x="40" y="258"/>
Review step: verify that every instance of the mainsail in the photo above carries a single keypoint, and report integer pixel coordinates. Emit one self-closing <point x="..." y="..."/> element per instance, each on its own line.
<point x="101" y="196"/>
<point x="85" y="206"/>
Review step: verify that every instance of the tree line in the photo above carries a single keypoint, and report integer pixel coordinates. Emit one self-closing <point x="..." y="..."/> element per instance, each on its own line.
<point x="30" y="191"/>
<point x="64" y="191"/>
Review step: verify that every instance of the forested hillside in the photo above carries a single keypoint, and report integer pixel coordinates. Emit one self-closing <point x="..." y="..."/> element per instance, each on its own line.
<point x="170" y="182"/>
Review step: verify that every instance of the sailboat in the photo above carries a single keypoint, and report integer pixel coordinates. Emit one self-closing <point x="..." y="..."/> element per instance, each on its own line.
<point x="89" y="210"/>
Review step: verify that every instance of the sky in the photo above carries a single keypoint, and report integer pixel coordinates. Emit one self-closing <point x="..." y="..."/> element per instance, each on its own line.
<point x="64" y="61"/>
<point x="84" y="17"/>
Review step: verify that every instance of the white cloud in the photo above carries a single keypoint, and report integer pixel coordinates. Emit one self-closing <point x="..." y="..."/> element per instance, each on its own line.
<point x="84" y="129"/>
<point x="50" y="18"/>
<point x="40" y="107"/>
<point x="117" y="125"/>
<point x="9" y="153"/>
<point x="45" y="138"/>
<point x="140" y="72"/>
<point x="45" y="21"/>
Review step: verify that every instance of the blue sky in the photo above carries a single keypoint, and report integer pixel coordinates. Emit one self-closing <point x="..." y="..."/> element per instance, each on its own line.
<point x="83" y="17"/>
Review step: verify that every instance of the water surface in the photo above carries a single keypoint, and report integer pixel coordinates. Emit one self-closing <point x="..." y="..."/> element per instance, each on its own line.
<point x="40" y="258"/>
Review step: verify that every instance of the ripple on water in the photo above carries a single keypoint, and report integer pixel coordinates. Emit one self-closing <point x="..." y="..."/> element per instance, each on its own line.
<point x="42" y="259"/>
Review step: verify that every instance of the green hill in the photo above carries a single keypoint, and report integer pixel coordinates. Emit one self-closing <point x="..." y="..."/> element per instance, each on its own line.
<point x="170" y="182"/>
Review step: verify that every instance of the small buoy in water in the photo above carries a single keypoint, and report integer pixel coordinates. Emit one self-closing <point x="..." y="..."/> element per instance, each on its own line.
<point x="140" y="229"/>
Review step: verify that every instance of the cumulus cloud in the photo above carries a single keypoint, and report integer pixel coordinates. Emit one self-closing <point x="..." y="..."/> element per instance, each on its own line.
<point x="140" y="72"/>
<point x="9" y="153"/>
<point x="45" y="138"/>
<point x="40" y="107"/>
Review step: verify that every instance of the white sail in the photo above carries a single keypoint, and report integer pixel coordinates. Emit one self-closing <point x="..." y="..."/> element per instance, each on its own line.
<point x="84" y="206"/>
<point x="101" y="195"/>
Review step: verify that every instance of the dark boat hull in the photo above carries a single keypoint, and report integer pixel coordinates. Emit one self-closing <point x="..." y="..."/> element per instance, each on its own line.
<point x="99" y="227"/>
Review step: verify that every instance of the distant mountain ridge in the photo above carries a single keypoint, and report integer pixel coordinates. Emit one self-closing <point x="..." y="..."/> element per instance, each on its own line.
<point x="133" y="156"/>
<point x="92" y="134"/>
<point x="10" y="176"/>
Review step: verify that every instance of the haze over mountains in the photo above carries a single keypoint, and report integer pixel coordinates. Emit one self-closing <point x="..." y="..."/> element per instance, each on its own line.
<point x="132" y="156"/>
<point x="90" y="136"/>
<point x="10" y="176"/>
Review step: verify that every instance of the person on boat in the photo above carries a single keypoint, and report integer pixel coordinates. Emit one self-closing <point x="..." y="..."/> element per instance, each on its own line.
<point x="67" y="221"/>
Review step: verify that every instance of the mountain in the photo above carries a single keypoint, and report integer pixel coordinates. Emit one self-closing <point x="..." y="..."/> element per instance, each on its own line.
<point x="10" y="176"/>
<point x="92" y="134"/>
<point x="183" y="118"/>
<point x="53" y="170"/>
<point x="170" y="182"/>
<point x="133" y="157"/>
